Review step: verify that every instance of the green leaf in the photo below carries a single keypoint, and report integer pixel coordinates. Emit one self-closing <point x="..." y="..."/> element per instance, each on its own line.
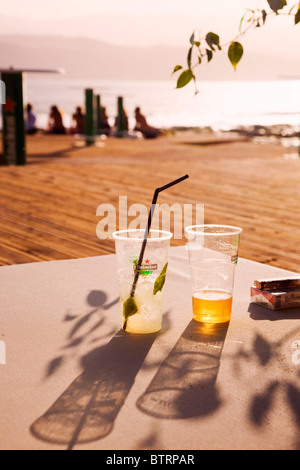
<point x="129" y="307"/>
<point x="164" y="271"/>
<point x="134" y="262"/>
<point x="249" y="17"/>
<point x="241" y="22"/>
<point x="192" y="38"/>
<point x="176" y="68"/>
<point x="199" y="59"/>
<point x="197" y="43"/>
<point x="264" y="16"/>
<point x="189" y="57"/>
<point x="209" y="55"/>
<point x="235" y="53"/>
<point x="212" y="40"/>
<point x="276" y="5"/>
<point x="297" y="16"/>
<point x="160" y="280"/>
<point x="184" y="78"/>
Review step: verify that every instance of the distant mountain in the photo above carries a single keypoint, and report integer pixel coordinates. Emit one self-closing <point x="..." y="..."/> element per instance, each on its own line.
<point x="89" y="58"/>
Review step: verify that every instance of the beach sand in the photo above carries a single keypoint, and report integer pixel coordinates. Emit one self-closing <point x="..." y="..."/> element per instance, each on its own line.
<point x="48" y="207"/>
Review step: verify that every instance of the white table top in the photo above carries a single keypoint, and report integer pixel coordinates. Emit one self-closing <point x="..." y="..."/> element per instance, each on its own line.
<point x="73" y="379"/>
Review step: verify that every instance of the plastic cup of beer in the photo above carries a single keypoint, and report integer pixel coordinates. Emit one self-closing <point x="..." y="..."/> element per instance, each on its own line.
<point x="213" y="256"/>
<point x="143" y="311"/>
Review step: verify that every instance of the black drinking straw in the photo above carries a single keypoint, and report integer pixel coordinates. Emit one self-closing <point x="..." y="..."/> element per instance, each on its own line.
<point x="154" y="200"/>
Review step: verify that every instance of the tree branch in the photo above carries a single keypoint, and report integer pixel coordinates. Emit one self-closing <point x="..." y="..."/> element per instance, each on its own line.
<point x="206" y="47"/>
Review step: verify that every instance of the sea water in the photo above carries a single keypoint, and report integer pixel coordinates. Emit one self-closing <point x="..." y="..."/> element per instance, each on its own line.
<point x="219" y="105"/>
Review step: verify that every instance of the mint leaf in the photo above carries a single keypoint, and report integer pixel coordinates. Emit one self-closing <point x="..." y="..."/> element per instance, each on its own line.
<point x="135" y="262"/>
<point x="164" y="271"/>
<point x="129" y="307"/>
<point x="160" y="281"/>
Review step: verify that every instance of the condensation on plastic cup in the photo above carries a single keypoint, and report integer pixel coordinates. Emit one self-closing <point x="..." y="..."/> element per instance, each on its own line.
<point x="121" y="235"/>
<point x="211" y="230"/>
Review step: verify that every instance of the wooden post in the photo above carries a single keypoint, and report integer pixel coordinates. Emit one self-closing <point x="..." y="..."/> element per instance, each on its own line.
<point x="120" y="126"/>
<point x="14" y="142"/>
<point x="98" y="106"/>
<point x="89" y="117"/>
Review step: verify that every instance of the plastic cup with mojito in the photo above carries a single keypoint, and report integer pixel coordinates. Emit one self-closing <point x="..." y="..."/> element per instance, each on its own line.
<point x="142" y="312"/>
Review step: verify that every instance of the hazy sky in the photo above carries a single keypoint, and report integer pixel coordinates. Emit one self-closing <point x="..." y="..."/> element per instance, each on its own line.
<point x="146" y="23"/>
<point x="71" y="8"/>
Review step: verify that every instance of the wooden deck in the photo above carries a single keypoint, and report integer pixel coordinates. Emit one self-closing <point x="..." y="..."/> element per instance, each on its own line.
<point x="48" y="207"/>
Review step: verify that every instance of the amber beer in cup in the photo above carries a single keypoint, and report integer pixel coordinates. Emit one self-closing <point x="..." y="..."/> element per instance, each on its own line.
<point x="213" y="256"/>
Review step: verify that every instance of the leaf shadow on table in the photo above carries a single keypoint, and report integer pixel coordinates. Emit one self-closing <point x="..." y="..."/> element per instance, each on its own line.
<point x="185" y="383"/>
<point x="282" y="357"/>
<point x="87" y="409"/>
<point x="84" y="328"/>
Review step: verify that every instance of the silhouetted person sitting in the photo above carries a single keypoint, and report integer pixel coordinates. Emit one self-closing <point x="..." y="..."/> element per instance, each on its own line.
<point x="55" y="124"/>
<point x="142" y="126"/>
<point x="31" y="120"/>
<point x="104" y="124"/>
<point x="78" y="120"/>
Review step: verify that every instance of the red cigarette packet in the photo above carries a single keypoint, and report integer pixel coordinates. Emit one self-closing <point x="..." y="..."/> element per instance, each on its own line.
<point x="275" y="300"/>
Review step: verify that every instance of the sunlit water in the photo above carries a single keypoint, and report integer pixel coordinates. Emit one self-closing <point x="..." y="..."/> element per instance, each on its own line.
<point x="219" y="105"/>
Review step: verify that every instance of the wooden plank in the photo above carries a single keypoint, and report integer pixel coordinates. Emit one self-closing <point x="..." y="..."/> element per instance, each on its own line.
<point x="48" y="208"/>
<point x="10" y="255"/>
